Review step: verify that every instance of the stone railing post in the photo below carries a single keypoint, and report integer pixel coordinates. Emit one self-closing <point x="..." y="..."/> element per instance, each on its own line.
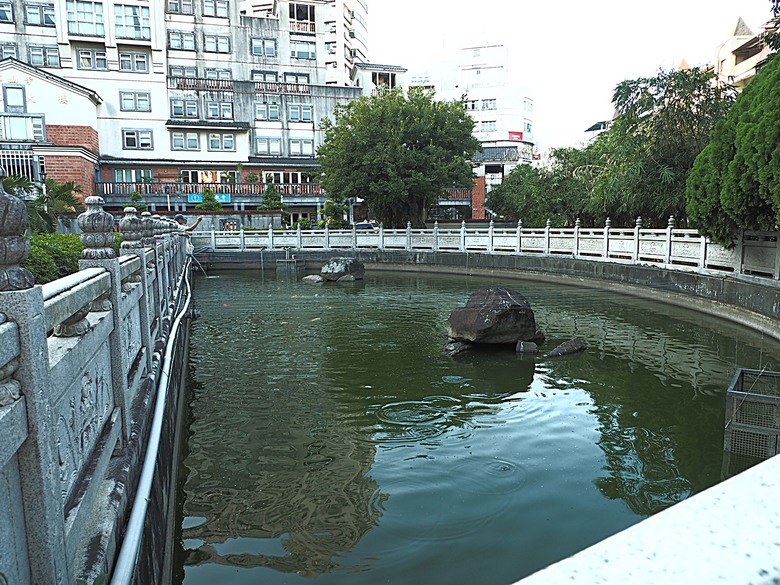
<point x="354" y="237"/>
<point x="463" y="236"/>
<point x="132" y="229"/>
<point x="381" y="236"/>
<point x="519" y="236"/>
<point x="270" y="237"/>
<point x="436" y="236"/>
<point x="637" y="236"/>
<point x="151" y="256"/>
<point x="28" y="379"/>
<point x="669" y="232"/>
<point x="547" y="227"/>
<point x="491" y="230"/>
<point x="97" y="235"/>
<point x="409" y="236"/>
<point x="576" y="245"/>
<point x="242" y="240"/>
<point x="326" y="244"/>
<point x="607" y="227"/>
<point x="299" y="237"/>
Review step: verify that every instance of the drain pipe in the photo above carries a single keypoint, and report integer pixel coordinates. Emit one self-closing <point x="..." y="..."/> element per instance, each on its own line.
<point x="131" y="544"/>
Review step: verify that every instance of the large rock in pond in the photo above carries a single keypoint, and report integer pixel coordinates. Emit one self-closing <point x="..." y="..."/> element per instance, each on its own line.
<point x="493" y="315"/>
<point x="337" y="268"/>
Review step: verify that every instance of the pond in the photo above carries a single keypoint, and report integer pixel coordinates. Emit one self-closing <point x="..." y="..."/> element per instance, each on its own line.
<point x="329" y="438"/>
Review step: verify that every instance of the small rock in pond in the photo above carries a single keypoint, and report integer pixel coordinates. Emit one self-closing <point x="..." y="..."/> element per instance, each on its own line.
<point x="570" y="347"/>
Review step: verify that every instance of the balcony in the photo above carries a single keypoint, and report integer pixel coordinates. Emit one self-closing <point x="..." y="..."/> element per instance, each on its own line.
<point x="171" y="195"/>
<point x="455" y="197"/>
<point x="302" y="26"/>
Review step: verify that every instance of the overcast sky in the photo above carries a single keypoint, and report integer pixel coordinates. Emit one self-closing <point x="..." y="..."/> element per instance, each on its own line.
<point x="569" y="53"/>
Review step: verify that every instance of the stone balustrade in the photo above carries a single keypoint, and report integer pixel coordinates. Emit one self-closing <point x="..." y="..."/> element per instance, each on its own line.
<point x="79" y="359"/>
<point x="757" y="253"/>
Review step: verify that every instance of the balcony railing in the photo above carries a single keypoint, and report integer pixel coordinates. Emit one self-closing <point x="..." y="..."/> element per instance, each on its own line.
<point x="194" y="83"/>
<point x="278" y="87"/>
<point x="116" y="193"/>
<point x="300" y="26"/>
<point x="455" y="195"/>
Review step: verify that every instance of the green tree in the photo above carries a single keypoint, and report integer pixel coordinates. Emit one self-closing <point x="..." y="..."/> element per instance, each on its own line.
<point x="44" y="206"/>
<point x="333" y="212"/>
<point x="397" y="151"/>
<point x="209" y="202"/>
<point x="639" y="166"/>
<point x="735" y="182"/>
<point x="138" y="201"/>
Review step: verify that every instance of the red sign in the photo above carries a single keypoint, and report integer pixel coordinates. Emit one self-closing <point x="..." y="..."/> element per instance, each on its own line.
<point x="536" y="156"/>
<point x="518" y="136"/>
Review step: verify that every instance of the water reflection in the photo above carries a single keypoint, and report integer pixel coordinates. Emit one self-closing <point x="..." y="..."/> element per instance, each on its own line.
<point x="331" y="439"/>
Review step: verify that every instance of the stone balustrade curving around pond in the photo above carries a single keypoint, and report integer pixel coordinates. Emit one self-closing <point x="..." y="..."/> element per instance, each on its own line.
<point x="79" y="362"/>
<point x="757" y="253"/>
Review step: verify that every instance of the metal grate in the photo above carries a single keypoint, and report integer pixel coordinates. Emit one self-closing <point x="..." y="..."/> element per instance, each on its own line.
<point x="752" y="431"/>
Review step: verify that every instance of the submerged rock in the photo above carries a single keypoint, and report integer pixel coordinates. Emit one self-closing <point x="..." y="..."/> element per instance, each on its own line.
<point x="526" y="347"/>
<point x="455" y="347"/>
<point x="313" y="279"/>
<point x="575" y="345"/>
<point x="493" y="315"/>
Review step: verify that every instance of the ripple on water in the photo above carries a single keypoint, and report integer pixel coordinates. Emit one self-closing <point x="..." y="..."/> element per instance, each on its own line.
<point x="414" y="420"/>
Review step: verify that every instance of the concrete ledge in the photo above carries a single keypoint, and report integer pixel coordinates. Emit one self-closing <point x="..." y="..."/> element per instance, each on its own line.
<point x="729" y="533"/>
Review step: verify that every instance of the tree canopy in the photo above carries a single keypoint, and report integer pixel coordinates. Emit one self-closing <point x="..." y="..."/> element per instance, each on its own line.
<point x="397" y="151"/>
<point x="637" y="167"/>
<point x="735" y="182"/>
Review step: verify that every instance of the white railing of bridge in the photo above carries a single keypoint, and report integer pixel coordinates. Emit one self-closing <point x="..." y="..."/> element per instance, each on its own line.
<point x="756" y="253"/>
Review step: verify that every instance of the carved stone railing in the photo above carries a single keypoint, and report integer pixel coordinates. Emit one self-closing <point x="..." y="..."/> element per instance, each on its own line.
<point x="78" y="361"/>
<point x="756" y="254"/>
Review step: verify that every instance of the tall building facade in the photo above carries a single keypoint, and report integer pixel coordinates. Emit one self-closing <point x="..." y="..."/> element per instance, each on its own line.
<point x="166" y="99"/>
<point x="502" y="110"/>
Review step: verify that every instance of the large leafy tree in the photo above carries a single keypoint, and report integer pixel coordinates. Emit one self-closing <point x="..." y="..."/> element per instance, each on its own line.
<point x="397" y="151"/>
<point x="640" y="164"/>
<point x="735" y="182"/>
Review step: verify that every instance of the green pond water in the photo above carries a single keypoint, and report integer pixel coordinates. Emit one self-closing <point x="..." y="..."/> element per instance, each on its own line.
<point x="330" y="440"/>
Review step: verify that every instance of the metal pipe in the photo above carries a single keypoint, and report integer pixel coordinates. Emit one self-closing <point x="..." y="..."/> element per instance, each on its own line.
<point x="131" y="544"/>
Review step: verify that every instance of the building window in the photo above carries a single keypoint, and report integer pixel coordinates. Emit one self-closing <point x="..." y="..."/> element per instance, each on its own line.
<point x="302" y="49"/>
<point x="185" y="141"/>
<point x="264" y="47"/>
<point x="269" y="146"/>
<point x="132" y="175"/>
<point x="268" y="76"/>
<point x="471" y="105"/>
<point x="137" y="139"/>
<point x="6" y="11"/>
<point x="91" y="59"/>
<point x="488" y="126"/>
<point x="300" y="113"/>
<point x="216" y="43"/>
<point x="302" y="78"/>
<point x="219" y="110"/>
<point x="488" y="104"/>
<point x="528" y="105"/>
<point x="85" y="18"/>
<point x="133" y="61"/>
<point x="179" y="71"/>
<point x="181" y="6"/>
<point x="184" y="108"/>
<point x="218" y="141"/>
<point x="219" y="74"/>
<point x="8" y="50"/>
<point x="527" y="126"/>
<point x="39" y="14"/>
<point x="45" y="56"/>
<point x="135" y="101"/>
<point x="299" y="147"/>
<point x="268" y="112"/>
<point x="22" y="127"/>
<point x="14" y="99"/>
<point x="217" y="8"/>
<point x="181" y="40"/>
<point x="132" y="22"/>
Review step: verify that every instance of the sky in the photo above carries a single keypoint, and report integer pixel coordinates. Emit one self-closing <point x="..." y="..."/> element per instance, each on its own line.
<point x="570" y="54"/>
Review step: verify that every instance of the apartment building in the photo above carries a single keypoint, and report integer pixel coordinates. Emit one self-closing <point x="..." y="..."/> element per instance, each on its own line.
<point x="502" y="110"/>
<point x="740" y="56"/>
<point x="165" y="99"/>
